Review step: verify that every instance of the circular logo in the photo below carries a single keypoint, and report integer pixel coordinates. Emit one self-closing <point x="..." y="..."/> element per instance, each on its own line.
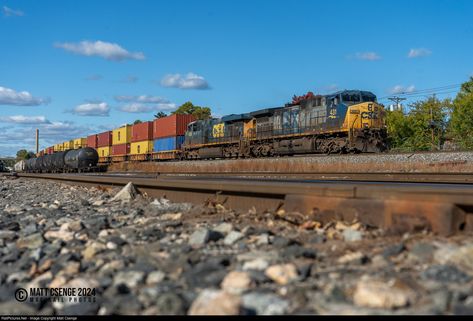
<point x="21" y="295"/>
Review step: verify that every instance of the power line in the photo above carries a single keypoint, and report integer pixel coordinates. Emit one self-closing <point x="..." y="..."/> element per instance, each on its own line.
<point x="424" y="91"/>
<point x="397" y="100"/>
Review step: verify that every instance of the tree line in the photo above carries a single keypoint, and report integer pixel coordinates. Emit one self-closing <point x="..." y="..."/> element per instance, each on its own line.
<point x="434" y="124"/>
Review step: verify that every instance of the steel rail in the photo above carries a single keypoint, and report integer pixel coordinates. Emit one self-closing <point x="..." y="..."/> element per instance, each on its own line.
<point x="440" y="177"/>
<point x="442" y="208"/>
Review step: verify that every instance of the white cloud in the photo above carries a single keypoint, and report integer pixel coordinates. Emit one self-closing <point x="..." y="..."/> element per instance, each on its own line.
<point x="92" y="109"/>
<point x="20" y="119"/>
<point x="419" y="52"/>
<point x="14" y="138"/>
<point x="23" y="98"/>
<point x="371" y="56"/>
<point x="107" y="50"/>
<point x="189" y="81"/>
<point x="7" y="12"/>
<point x="399" y="89"/>
<point x="142" y="99"/>
<point x="146" y="108"/>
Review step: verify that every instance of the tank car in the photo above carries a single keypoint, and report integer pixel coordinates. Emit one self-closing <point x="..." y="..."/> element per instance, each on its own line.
<point x="73" y="160"/>
<point x="82" y="159"/>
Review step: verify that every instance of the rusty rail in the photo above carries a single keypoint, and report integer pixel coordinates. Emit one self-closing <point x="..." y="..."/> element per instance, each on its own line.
<point x="431" y="178"/>
<point x="445" y="209"/>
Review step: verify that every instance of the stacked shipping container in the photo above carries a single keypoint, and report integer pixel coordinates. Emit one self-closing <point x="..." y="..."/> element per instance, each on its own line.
<point x="80" y="143"/>
<point x="68" y="145"/>
<point x="141" y="140"/>
<point x="121" y="139"/>
<point x="58" y="148"/>
<point x="162" y="137"/>
<point x="104" y="144"/>
<point x="169" y="132"/>
<point x="92" y="141"/>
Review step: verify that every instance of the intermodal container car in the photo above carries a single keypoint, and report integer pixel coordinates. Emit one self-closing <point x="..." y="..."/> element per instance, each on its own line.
<point x="122" y="135"/>
<point x="92" y="141"/>
<point x="104" y="151"/>
<point x="168" y="143"/>
<point x="122" y="149"/>
<point x="144" y="147"/>
<point x="104" y="139"/>
<point x="173" y="125"/>
<point x="142" y="132"/>
<point x="80" y="143"/>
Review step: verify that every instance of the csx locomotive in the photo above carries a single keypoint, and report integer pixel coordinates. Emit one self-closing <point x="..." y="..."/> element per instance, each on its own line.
<point x="343" y="122"/>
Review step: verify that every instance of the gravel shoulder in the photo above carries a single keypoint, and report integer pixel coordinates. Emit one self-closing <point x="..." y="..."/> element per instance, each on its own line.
<point x="150" y="256"/>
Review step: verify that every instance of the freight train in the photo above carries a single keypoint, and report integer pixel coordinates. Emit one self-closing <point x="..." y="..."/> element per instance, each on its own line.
<point x="349" y="121"/>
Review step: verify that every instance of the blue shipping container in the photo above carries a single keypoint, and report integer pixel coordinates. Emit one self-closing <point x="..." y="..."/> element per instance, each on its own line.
<point x="168" y="143"/>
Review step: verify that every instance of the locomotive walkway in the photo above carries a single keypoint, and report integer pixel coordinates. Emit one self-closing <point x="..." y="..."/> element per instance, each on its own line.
<point x="440" y="202"/>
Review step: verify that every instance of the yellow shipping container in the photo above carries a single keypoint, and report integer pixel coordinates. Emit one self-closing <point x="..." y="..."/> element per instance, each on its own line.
<point x="68" y="145"/>
<point x="80" y="143"/>
<point x="104" y="151"/>
<point x="121" y="135"/>
<point x="58" y="148"/>
<point x="144" y="147"/>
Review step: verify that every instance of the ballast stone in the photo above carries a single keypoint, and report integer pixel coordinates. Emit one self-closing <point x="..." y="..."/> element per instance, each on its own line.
<point x="126" y="194"/>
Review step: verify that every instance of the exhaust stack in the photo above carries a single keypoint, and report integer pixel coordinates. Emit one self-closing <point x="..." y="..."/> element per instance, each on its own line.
<point x="37" y="141"/>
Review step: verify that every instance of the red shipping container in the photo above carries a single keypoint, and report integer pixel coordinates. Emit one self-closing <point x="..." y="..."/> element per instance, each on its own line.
<point x="173" y="125"/>
<point x="104" y="139"/>
<point x="92" y="141"/>
<point x="142" y="131"/>
<point x="122" y="149"/>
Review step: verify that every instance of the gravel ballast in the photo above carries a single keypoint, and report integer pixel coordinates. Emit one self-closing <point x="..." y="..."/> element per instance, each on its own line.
<point x="146" y="256"/>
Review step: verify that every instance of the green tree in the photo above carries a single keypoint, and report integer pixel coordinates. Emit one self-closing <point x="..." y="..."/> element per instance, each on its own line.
<point x="461" y="121"/>
<point x="398" y="128"/>
<point x="413" y="131"/>
<point x="160" y="114"/>
<point x="23" y="154"/>
<point x="191" y="109"/>
<point x="137" y="122"/>
<point x="428" y="120"/>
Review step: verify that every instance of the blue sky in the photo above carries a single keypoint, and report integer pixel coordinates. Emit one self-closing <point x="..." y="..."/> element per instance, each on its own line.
<point x="73" y="68"/>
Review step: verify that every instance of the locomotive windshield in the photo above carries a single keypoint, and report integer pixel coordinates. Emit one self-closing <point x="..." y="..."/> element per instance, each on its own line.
<point x="356" y="97"/>
<point x="351" y="97"/>
<point x="366" y="97"/>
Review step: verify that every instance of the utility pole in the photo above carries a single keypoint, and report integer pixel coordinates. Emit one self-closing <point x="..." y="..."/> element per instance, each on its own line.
<point x="397" y="100"/>
<point x="432" y="125"/>
<point x="37" y="140"/>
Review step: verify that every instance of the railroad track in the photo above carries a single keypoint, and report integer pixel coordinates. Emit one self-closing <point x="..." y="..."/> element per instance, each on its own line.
<point x="445" y="208"/>
<point x="402" y="177"/>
